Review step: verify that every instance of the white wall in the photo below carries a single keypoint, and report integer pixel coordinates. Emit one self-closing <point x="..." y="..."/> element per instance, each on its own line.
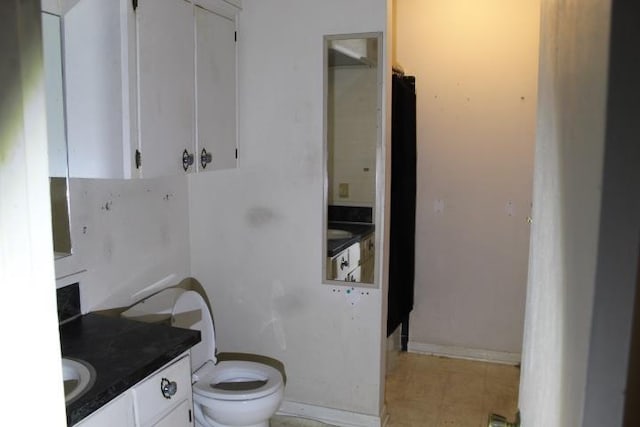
<point x="128" y="235"/>
<point x="567" y="194"/>
<point x="28" y="321"/>
<point x="256" y="231"/>
<point x="475" y="65"/>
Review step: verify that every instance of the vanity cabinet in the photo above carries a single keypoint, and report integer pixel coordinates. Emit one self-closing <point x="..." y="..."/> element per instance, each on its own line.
<point x="345" y="266"/>
<point x="150" y="91"/>
<point x="355" y="263"/>
<point x="163" y="399"/>
<point x="367" y="260"/>
<point x="118" y="412"/>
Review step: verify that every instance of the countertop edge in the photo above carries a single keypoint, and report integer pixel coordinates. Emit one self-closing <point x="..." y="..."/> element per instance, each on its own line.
<point x="342" y="244"/>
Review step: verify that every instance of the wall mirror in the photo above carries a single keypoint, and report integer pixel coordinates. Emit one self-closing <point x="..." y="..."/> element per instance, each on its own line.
<point x="56" y="133"/>
<point x="352" y="137"/>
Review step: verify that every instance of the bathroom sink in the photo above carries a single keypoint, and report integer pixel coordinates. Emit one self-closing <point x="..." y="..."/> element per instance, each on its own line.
<point x="78" y="377"/>
<point x="335" y="234"/>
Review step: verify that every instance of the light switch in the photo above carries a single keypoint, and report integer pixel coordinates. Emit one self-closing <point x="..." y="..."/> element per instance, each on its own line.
<point x="343" y="190"/>
<point x="510" y="208"/>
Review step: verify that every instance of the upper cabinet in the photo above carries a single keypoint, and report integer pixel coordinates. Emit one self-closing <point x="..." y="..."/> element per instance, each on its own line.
<point x="166" y="70"/>
<point x="215" y="89"/>
<point x="99" y="70"/>
<point x="151" y="87"/>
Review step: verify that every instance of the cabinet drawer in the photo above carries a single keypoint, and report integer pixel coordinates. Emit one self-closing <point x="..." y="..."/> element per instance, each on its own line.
<point x="151" y="403"/>
<point x="345" y="262"/>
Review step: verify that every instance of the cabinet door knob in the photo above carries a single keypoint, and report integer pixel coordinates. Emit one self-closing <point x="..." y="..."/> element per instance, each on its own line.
<point x="168" y="388"/>
<point x="205" y="158"/>
<point x="187" y="159"/>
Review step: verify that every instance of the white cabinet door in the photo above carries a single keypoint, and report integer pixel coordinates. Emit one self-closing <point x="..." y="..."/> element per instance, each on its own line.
<point x="179" y="417"/>
<point x="216" y="89"/>
<point x="152" y="403"/>
<point x="166" y="85"/>
<point x="96" y="80"/>
<point x="118" y="412"/>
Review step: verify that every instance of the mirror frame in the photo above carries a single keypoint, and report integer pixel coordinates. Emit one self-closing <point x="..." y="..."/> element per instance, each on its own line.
<point x="62" y="174"/>
<point x="67" y="268"/>
<point x="379" y="165"/>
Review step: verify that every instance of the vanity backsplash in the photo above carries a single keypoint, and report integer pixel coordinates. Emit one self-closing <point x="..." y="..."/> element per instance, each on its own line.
<point x="350" y="214"/>
<point x="68" y="302"/>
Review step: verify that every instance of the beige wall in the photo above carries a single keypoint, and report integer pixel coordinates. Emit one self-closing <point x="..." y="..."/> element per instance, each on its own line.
<point x="476" y="71"/>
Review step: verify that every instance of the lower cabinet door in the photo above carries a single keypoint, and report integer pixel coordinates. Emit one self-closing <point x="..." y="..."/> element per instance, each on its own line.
<point x="151" y="400"/>
<point x="180" y="416"/>
<point x="367" y="271"/>
<point x="118" y="412"/>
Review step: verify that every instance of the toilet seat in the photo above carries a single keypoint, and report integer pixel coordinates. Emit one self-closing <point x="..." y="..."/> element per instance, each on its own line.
<point x="236" y="371"/>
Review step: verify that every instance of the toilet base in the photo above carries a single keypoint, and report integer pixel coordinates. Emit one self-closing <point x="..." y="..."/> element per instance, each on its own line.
<point x="214" y="424"/>
<point x="203" y="420"/>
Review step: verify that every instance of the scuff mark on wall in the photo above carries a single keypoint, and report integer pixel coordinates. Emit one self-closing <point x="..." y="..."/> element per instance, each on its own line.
<point x="107" y="248"/>
<point x="279" y="306"/>
<point x="260" y="216"/>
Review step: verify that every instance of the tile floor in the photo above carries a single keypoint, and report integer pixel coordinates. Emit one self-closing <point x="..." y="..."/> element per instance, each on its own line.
<point x="429" y="391"/>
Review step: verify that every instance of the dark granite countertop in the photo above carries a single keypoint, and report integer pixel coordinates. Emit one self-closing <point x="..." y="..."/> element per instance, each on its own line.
<point x="358" y="229"/>
<point x="123" y="352"/>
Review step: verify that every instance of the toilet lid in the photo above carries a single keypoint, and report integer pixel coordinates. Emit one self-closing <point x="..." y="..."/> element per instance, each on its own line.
<point x="236" y="380"/>
<point x="190" y="311"/>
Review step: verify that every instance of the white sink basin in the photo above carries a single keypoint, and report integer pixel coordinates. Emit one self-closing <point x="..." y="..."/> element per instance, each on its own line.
<point x="335" y="234"/>
<point x="78" y="376"/>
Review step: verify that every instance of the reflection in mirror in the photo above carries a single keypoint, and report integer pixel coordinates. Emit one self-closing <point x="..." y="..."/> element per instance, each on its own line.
<point x="352" y="135"/>
<point x="56" y="134"/>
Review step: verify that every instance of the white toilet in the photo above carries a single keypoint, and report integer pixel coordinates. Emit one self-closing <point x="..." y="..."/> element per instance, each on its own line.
<point x="226" y="393"/>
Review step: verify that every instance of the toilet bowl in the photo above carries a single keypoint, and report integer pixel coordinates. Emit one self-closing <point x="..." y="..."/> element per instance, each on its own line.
<point x="225" y="393"/>
<point x="237" y="393"/>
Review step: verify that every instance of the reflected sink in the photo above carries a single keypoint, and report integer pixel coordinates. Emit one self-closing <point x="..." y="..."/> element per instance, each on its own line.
<point x="78" y="377"/>
<point x="335" y="234"/>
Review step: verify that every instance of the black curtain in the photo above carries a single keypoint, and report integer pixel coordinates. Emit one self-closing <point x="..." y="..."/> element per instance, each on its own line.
<point x="403" y="201"/>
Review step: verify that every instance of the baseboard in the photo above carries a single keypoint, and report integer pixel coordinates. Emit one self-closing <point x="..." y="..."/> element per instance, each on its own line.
<point x="336" y="417"/>
<point x="465" y="353"/>
<point x="384" y="418"/>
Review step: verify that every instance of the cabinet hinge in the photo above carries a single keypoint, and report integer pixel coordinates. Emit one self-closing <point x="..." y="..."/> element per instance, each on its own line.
<point x="138" y="159"/>
<point x="236" y="153"/>
<point x="235" y="36"/>
<point x="134" y="3"/>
